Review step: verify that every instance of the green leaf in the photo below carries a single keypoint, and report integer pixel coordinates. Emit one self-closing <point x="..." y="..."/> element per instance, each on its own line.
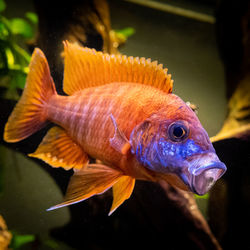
<point x="21" y="27"/>
<point x="21" y="52"/>
<point x="3" y="57"/>
<point x="10" y="56"/>
<point x="20" y="240"/>
<point x="3" y="31"/>
<point x="205" y="196"/>
<point x="2" y="5"/>
<point x="20" y="79"/>
<point x="126" y="32"/>
<point x="32" y="17"/>
<point x="51" y="244"/>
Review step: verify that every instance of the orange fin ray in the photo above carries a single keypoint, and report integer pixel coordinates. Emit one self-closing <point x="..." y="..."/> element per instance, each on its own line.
<point x="122" y="190"/>
<point x="86" y="68"/>
<point x="119" y="142"/>
<point x="28" y="115"/>
<point x="93" y="180"/>
<point x="59" y="150"/>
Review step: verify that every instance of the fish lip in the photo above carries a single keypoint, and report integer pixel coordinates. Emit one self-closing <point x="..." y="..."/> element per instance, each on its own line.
<point x="204" y="177"/>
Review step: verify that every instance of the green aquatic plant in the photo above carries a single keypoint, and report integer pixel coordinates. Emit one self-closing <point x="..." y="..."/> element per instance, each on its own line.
<point x="205" y="196"/>
<point x="14" y="60"/>
<point x="125" y="33"/>
<point x="25" y="241"/>
<point x="20" y="240"/>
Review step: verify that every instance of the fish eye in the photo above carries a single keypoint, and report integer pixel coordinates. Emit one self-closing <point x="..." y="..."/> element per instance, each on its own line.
<point x="178" y="131"/>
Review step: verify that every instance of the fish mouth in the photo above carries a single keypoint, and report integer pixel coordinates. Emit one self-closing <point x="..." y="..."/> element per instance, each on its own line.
<point x="203" y="172"/>
<point x="205" y="177"/>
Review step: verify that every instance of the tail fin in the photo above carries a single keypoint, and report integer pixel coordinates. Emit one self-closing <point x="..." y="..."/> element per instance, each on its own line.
<point x="29" y="114"/>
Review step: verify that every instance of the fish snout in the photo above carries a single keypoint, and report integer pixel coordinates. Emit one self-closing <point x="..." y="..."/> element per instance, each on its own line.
<point x="203" y="172"/>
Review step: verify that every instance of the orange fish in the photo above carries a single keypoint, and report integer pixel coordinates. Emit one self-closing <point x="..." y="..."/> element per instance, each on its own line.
<point x="121" y="111"/>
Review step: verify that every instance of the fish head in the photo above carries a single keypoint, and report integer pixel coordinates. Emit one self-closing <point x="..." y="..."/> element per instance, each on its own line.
<point x="173" y="141"/>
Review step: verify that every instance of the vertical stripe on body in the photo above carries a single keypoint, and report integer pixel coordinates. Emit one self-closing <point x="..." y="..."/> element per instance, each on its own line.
<point x="86" y="114"/>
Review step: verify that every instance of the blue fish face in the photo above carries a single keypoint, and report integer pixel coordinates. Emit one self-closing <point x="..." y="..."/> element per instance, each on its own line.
<point x="178" y="147"/>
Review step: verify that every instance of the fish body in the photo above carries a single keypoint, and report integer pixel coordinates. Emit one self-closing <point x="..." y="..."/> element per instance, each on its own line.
<point x="120" y="111"/>
<point x="86" y="115"/>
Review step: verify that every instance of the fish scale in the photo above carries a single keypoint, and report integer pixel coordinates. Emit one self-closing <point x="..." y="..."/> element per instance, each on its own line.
<point x="92" y="117"/>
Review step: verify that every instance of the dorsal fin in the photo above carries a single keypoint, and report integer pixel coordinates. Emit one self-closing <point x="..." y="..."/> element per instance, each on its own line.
<point x="86" y="68"/>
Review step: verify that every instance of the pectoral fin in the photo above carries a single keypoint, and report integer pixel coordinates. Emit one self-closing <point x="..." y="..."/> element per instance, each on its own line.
<point x="119" y="141"/>
<point x="122" y="190"/>
<point x="92" y="180"/>
<point x="59" y="150"/>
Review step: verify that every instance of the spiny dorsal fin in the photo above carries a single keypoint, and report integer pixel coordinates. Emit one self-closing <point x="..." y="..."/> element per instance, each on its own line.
<point x="86" y="68"/>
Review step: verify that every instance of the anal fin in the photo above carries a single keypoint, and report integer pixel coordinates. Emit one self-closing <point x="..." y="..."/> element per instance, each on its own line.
<point x="122" y="190"/>
<point x="92" y="180"/>
<point x="59" y="150"/>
